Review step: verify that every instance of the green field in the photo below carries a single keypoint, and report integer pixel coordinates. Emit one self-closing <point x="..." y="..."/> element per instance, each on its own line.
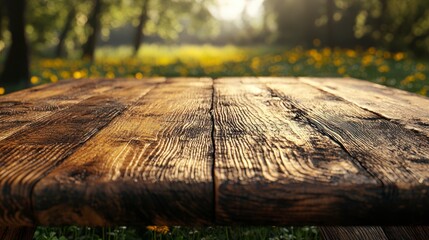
<point x="392" y="69"/>
<point x="178" y="233"/>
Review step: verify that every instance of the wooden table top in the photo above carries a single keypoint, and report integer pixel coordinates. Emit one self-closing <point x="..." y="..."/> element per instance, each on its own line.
<point x="189" y="151"/>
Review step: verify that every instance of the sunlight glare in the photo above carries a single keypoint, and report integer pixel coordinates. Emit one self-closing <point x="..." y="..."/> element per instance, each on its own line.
<point x="231" y="10"/>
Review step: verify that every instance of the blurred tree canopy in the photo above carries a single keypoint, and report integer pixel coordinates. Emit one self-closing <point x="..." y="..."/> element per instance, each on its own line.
<point x="55" y="28"/>
<point x="61" y="27"/>
<point x="396" y="25"/>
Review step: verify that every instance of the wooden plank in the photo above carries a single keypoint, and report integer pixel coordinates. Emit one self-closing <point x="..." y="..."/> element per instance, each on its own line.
<point x="29" y="154"/>
<point x="151" y="165"/>
<point x="273" y="167"/>
<point x="20" y="109"/>
<point x="375" y="233"/>
<point x="407" y="232"/>
<point x="353" y="233"/>
<point x="21" y="233"/>
<point x="397" y="156"/>
<point x="406" y="108"/>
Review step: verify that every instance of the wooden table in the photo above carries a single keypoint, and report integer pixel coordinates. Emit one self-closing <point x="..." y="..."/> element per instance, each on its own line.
<point x="188" y="151"/>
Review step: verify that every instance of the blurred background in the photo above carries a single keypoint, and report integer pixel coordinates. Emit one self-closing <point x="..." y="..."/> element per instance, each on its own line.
<point x="385" y="41"/>
<point x="45" y="41"/>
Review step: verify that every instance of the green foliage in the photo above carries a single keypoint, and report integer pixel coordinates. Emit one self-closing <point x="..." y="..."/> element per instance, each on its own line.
<point x="46" y="20"/>
<point x="395" y="25"/>
<point x="394" y="69"/>
<point x="177" y="233"/>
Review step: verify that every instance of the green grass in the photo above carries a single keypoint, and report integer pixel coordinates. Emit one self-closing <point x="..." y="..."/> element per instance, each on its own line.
<point x="177" y="233"/>
<point x="391" y="69"/>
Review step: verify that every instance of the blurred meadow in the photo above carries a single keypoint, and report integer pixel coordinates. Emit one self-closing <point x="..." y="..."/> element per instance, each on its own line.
<point x="395" y="69"/>
<point x="42" y="41"/>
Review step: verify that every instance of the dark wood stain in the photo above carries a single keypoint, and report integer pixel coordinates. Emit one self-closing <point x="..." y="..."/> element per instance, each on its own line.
<point x="37" y="148"/>
<point x="310" y="157"/>
<point x="19" y="233"/>
<point x="189" y="151"/>
<point x="375" y="233"/>
<point x="151" y="165"/>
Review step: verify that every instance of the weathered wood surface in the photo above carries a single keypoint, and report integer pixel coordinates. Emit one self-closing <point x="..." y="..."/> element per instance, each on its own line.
<point x="22" y="108"/>
<point x="375" y="233"/>
<point x="151" y="165"/>
<point x="406" y="108"/>
<point x="226" y="151"/>
<point x="353" y="233"/>
<point x="288" y="152"/>
<point x="271" y="163"/>
<point x="22" y="233"/>
<point x="38" y="147"/>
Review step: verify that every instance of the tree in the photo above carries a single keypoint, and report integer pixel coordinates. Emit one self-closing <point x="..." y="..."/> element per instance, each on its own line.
<point x="330" y="6"/>
<point x="59" y="50"/>
<point x="94" y="24"/>
<point x="142" y="23"/>
<point x="16" y="67"/>
<point x="296" y="20"/>
<point x="1" y="18"/>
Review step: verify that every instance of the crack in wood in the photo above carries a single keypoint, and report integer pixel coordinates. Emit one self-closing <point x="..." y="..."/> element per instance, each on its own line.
<point x="302" y="116"/>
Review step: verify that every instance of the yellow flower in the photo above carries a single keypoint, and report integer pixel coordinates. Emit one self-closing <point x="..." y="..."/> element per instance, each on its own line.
<point x="384" y="69"/>
<point x="341" y="70"/>
<point x="372" y="50"/>
<point x="34" y="80"/>
<point x="292" y="59"/>
<point x="2" y="91"/>
<point x="367" y="60"/>
<point x="351" y="53"/>
<point x="138" y="75"/>
<point x="77" y="75"/>
<point x="387" y="55"/>
<point x="158" y="229"/>
<point x="399" y="56"/>
<point x="338" y="62"/>
<point x="424" y="90"/>
<point x="327" y="52"/>
<point x="420" y="67"/>
<point x="54" y="79"/>
<point x="408" y="80"/>
<point x="64" y="74"/>
<point x="256" y="62"/>
<point x="420" y="76"/>
<point x="110" y="74"/>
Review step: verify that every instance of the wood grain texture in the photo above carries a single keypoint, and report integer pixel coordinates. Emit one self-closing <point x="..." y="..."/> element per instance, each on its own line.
<point x="399" y="106"/>
<point x="375" y="233"/>
<point x="274" y="167"/>
<point x="151" y="165"/>
<point x="19" y="109"/>
<point x="21" y="233"/>
<point x="30" y="153"/>
<point x="407" y="232"/>
<point x="397" y="156"/>
<point x="353" y="233"/>
<point x="187" y="151"/>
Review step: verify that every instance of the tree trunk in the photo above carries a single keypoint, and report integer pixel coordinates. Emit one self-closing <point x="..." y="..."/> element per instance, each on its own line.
<point x="309" y="26"/>
<point x="1" y="18"/>
<point x="59" y="51"/>
<point x="142" y="23"/>
<point x="94" y="25"/>
<point x="330" y="5"/>
<point x="16" y="67"/>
